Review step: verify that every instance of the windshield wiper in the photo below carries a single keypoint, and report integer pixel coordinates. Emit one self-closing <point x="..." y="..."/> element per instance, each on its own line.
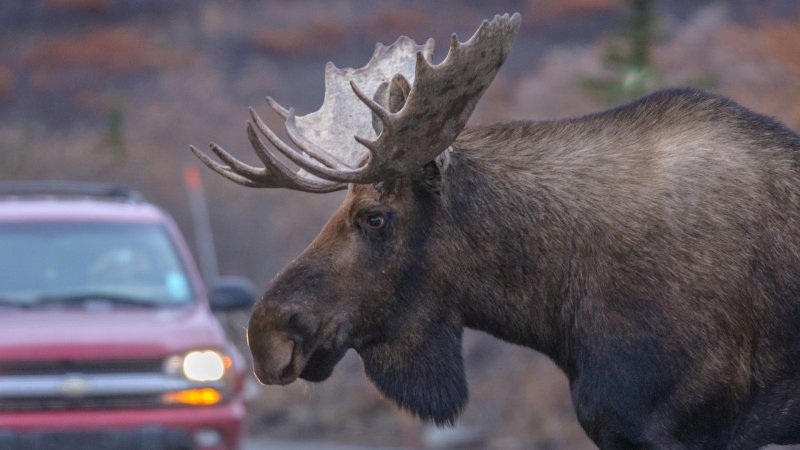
<point x="12" y="303"/>
<point x="90" y="297"/>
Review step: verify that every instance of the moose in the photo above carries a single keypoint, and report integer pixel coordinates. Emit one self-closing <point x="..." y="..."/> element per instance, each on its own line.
<point x="652" y="251"/>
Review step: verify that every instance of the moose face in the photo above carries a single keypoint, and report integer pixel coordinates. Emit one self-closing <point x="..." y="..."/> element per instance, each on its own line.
<point x="338" y="294"/>
<point x="367" y="282"/>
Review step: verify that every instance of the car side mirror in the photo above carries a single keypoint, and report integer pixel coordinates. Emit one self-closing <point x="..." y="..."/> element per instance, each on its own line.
<point x="230" y="293"/>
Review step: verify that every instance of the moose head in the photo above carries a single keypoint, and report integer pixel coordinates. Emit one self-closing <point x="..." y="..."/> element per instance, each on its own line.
<point x="369" y="280"/>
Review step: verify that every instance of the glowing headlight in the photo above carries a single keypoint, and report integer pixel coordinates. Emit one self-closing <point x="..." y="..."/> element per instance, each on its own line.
<point x="205" y="365"/>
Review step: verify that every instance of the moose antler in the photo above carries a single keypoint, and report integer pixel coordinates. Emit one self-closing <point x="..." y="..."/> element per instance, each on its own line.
<point x="440" y="101"/>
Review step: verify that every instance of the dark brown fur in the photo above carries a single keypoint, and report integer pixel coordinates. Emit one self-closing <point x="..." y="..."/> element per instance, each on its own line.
<point x="652" y="251"/>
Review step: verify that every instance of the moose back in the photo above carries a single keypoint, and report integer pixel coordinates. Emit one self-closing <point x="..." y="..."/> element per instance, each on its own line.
<point x="652" y="251"/>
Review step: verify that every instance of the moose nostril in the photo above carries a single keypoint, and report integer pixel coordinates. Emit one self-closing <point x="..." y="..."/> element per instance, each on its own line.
<point x="288" y="373"/>
<point x="272" y="358"/>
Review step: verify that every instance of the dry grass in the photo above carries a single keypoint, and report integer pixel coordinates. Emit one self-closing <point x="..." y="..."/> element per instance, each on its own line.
<point x="393" y="22"/>
<point x="768" y="76"/>
<point x="112" y="50"/>
<point x="543" y="10"/>
<point x="318" y="37"/>
<point x="771" y="40"/>
<point x="781" y="41"/>
<point x="77" y="5"/>
<point x="6" y="83"/>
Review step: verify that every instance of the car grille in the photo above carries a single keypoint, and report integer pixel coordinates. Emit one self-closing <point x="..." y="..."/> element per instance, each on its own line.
<point x="85" y="384"/>
<point x="63" y="404"/>
<point x="90" y="366"/>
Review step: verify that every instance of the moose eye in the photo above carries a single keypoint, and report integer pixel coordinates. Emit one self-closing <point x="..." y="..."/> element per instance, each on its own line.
<point x="375" y="221"/>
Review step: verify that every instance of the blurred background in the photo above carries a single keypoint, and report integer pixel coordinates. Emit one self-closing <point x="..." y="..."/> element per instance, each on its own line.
<point x="116" y="90"/>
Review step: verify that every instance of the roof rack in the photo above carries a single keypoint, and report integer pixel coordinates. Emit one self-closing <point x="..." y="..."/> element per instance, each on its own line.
<point x="70" y="188"/>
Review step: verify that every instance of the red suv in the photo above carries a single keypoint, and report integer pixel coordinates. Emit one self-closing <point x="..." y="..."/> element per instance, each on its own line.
<point x="107" y="337"/>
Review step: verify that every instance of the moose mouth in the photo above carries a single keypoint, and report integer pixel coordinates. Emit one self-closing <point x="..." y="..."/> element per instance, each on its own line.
<point x="321" y="363"/>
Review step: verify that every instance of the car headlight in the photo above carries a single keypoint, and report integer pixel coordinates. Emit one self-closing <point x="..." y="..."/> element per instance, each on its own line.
<point x="205" y="365"/>
<point x="200" y="365"/>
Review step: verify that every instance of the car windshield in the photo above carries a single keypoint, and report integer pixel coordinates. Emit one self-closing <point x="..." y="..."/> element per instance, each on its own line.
<point x="98" y="263"/>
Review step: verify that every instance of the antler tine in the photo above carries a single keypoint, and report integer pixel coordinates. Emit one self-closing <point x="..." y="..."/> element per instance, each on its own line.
<point x="273" y="174"/>
<point x="220" y="169"/>
<point x="280" y="110"/>
<point x="237" y="166"/>
<point x="263" y="153"/>
<point x="319" y="155"/>
<point x="269" y="160"/>
<point x="455" y="43"/>
<point x="382" y="113"/>
<point x="305" y="162"/>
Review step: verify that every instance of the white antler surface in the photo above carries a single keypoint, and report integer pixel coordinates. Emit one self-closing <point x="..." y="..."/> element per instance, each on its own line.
<point x="342" y="116"/>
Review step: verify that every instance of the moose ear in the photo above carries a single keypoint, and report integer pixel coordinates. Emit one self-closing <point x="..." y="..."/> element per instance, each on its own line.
<point x="392" y="96"/>
<point x="423" y="372"/>
<point x="432" y="178"/>
<point x="398" y="93"/>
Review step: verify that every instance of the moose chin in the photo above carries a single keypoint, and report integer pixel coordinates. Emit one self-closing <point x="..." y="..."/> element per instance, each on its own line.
<point x="652" y="250"/>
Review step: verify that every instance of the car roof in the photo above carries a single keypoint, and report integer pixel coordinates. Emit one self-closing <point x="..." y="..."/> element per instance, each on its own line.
<point x="73" y="201"/>
<point x="76" y="209"/>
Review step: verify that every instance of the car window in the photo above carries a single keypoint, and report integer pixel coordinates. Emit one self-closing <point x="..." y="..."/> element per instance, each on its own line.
<point x="46" y="263"/>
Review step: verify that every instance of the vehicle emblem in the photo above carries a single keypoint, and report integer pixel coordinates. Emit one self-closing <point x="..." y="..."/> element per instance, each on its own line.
<point x="75" y="387"/>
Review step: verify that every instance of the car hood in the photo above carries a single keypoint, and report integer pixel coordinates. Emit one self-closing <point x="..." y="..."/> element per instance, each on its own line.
<point x="76" y="333"/>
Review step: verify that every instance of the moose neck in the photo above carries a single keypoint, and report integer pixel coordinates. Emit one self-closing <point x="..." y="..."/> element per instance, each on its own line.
<point x="511" y="231"/>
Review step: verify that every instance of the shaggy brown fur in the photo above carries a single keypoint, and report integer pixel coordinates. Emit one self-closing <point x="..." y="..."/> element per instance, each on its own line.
<point x="652" y="251"/>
